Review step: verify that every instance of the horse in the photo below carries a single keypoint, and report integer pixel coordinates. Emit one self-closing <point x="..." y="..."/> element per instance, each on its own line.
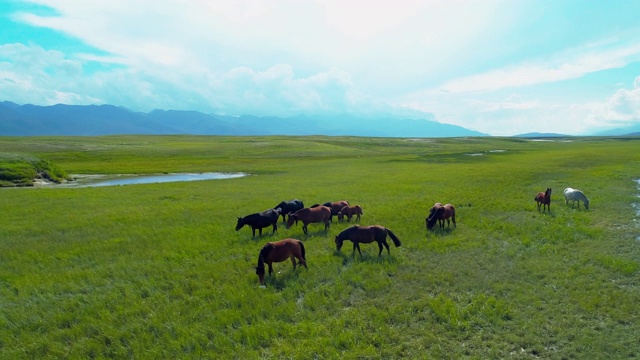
<point x="311" y="215"/>
<point x="367" y="234"/>
<point x="335" y="207"/>
<point x="288" y="207"/>
<point x="349" y="211"/>
<point x="575" y="195"/>
<point x="440" y="213"/>
<point x="279" y="251"/>
<point x="544" y="199"/>
<point x="260" y="220"/>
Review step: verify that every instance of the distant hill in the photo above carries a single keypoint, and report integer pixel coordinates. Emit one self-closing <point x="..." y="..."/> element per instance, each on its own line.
<point x="625" y="131"/>
<point x="91" y="120"/>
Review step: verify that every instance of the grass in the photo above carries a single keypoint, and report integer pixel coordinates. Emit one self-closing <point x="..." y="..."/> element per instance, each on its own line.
<point x="157" y="271"/>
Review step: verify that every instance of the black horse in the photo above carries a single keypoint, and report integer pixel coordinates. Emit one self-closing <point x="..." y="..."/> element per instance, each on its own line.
<point x="259" y="221"/>
<point x="289" y="207"/>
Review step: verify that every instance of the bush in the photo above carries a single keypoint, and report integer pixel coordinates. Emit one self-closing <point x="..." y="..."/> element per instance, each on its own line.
<point x="50" y="171"/>
<point x="21" y="172"/>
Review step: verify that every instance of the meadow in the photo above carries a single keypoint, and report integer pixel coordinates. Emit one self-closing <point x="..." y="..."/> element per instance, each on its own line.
<point x="157" y="270"/>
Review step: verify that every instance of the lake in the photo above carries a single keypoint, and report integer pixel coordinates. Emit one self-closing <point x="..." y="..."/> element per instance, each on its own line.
<point x="130" y="179"/>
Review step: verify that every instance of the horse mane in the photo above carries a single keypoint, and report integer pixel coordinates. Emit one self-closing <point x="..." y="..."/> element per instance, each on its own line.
<point x="264" y="253"/>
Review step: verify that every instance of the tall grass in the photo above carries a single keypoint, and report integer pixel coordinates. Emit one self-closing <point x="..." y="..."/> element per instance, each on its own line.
<point x="157" y="270"/>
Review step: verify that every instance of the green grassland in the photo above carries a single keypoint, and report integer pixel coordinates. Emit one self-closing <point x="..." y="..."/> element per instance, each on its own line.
<point x="157" y="270"/>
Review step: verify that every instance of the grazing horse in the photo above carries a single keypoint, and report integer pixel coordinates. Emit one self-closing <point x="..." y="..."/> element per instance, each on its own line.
<point x="311" y="215"/>
<point x="335" y="207"/>
<point x="289" y="207"/>
<point x="259" y="221"/>
<point x="575" y="195"/>
<point x="349" y="211"/>
<point x="280" y="251"/>
<point x="544" y="199"/>
<point x="440" y="213"/>
<point x="366" y="234"/>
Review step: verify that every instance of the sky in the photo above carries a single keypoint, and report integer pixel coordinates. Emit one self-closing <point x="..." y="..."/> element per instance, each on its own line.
<point x="498" y="67"/>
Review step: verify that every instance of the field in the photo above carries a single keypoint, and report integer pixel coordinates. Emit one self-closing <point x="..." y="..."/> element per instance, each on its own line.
<point x="157" y="270"/>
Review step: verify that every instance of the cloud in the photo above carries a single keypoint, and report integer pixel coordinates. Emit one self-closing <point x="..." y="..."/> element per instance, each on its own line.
<point x="619" y="110"/>
<point x="568" y="65"/>
<point x="30" y="74"/>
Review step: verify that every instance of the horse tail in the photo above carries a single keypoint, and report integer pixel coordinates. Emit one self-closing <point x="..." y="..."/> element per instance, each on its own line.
<point x="302" y="252"/>
<point x="393" y="236"/>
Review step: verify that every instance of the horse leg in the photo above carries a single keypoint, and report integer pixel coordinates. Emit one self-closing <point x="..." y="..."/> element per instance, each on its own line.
<point x="270" y="268"/>
<point x="253" y="231"/>
<point x="275" y="227"/>
<point x="304" y="228"/>
<point x="327" y="225"/>
<point x="386" y="244"/>
<point x="301" y="261"/>
<point x="356" y="246"/>
<point x="293" y="261"/>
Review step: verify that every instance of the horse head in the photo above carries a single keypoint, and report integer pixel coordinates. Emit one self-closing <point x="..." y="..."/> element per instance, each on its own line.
<point x="435" y="214"/>
<point x="240" y="223"/>
<point x="260" y="272"/>
<point x="292" y="218"/>
<point x="339" y="242"/>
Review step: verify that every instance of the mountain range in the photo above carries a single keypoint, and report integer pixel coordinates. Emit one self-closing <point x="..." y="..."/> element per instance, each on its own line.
<point x="93" y="120"/>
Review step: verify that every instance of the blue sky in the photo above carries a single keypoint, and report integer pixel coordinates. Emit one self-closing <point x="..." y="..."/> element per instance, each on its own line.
<point x="500" y="67"/>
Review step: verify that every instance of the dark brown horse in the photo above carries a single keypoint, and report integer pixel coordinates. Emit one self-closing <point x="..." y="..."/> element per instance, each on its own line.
<point x="544" y="199"/>
<point x="279" y="251"/>
<point x="440" y="213"/>
<point x="335" y="207"/>
<point x="260" y="220"/>
<point x="366" y="234"/>
<point x="311" y="215"/>
<point x="349" y="211"/>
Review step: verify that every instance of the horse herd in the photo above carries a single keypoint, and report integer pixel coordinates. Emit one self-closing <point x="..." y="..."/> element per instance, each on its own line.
<point x="293" y="211"/>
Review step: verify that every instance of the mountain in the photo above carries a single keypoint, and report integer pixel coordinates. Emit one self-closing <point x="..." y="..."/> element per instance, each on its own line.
<point x="91" y="120"/>
<point x="628" y="130"/>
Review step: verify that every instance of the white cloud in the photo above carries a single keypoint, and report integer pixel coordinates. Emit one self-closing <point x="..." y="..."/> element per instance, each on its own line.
<point x="619" y="110"/>
<point x="565" y="66"/>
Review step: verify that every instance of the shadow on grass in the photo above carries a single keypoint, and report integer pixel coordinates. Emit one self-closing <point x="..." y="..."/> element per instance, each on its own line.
<point x="354" y="257"/>
<point x="283" y="276"/>
<point x="440" y="232"/>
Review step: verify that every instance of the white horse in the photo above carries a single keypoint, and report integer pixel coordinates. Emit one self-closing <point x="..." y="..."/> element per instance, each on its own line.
<point x="575" y="195"/>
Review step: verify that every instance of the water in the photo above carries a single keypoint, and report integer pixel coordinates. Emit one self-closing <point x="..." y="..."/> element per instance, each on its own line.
<point x="114" y="180"/>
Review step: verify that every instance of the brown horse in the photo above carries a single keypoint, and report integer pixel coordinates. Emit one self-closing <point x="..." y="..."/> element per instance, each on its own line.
<point x="366" y="234"/>
<point x="544" y="199"/>
<point x="440" y="213"/>
<point x="349" y="211"/>
<point x="311" y="215"/>
<point x="279" y="251"/>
